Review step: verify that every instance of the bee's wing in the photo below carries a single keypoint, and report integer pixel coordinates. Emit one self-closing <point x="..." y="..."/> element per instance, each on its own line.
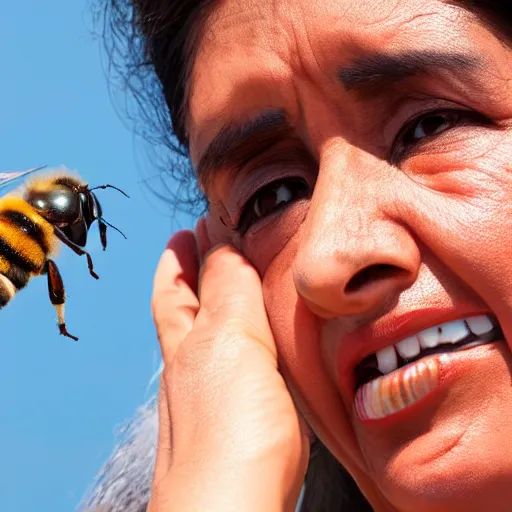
<point x="10" y="176"/>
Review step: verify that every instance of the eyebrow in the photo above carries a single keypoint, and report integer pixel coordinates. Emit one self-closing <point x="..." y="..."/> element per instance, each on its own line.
<point x="376" y="73"/>
<point x="238" y="143"/>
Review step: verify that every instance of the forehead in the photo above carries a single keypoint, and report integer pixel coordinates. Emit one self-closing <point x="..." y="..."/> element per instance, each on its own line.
<point x="252" y="52"/>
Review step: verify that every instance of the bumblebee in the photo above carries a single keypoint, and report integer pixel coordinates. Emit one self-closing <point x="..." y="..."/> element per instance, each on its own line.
<point x="47" y="209"/>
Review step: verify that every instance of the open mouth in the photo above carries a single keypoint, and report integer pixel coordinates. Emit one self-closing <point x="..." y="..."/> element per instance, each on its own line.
<point x="398" y="375"/>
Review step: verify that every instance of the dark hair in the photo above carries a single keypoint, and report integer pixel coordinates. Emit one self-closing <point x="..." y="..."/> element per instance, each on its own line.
<point x="151" y="45"/>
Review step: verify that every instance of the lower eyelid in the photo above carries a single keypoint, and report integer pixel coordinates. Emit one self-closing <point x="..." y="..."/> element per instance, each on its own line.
<point x="465" y="118"/>
<point x="272" y="221"/>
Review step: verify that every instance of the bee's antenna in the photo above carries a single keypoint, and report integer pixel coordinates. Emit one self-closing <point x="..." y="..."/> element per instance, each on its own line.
<point x="112" y="226"/>
<point x="111" y="186"/>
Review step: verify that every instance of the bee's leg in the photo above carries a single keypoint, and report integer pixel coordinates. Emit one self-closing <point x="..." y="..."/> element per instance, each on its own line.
<point x="57" y="295"/>
<point x="75" y="248"/>
<point x="103" y="234"/>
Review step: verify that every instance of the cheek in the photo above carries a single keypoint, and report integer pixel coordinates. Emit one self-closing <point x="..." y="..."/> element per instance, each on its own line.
<point x="293" y="332"/>
<point x="267" y="242"/>
<point x="262" y="243"/>
<point x="297" y="333"/>
<point x="464" y="214"/>
<point x="468" y="165"/>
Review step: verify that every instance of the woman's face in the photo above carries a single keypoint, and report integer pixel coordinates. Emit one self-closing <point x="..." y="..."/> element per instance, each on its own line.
<point x="359" y="153"/>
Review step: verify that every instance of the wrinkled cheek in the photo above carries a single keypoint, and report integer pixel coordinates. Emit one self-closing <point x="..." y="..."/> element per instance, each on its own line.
<point x="274" y="241"/>
<point x="296" y="330"/>
<point x="262" y="244"/>
<point x="297" y="333"/>
<point x="281" y="301"/>
<point x="473" y="238"/>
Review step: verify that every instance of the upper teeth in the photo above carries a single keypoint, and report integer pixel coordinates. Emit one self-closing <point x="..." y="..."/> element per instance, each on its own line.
<point x="450" y="332"/>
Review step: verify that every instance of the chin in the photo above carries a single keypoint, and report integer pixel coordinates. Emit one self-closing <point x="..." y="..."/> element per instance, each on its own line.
<point x="451" y="451"/>
<point x="475" y="482"/>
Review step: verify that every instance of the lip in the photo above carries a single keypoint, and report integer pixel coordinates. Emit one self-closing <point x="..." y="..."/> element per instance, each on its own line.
<point x="387" y="331"/>
<point x="451" y="367"/>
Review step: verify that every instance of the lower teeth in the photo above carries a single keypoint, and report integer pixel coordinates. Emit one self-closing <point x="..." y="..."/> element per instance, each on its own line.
<point x="395" y="391"/>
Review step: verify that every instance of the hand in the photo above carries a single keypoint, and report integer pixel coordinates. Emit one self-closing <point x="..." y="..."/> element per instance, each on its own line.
<point x="230" y="437"/>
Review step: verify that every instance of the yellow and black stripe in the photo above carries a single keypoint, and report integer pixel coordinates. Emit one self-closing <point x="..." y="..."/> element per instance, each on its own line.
<point x="26" y="240"/>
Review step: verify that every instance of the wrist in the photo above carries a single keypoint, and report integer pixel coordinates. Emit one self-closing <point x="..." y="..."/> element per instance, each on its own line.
<point x="190" y="488"/>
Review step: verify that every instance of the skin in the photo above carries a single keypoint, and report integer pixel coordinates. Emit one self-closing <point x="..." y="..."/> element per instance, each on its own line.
<point x="439" y="216"/>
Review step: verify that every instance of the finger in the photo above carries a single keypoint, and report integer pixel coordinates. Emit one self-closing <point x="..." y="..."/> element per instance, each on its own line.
<point x="202" y="238"/>
<point x="163" y="453"/>
<point x="174" y="301"/>
<point x="231" y="295"/>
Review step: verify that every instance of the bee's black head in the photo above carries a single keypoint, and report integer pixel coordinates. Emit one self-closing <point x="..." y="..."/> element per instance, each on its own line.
<point x="70" y="206"/>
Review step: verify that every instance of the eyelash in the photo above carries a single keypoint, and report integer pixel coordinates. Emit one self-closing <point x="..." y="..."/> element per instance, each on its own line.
<point x="457" y="116"/>
<point x="248" y="216"/>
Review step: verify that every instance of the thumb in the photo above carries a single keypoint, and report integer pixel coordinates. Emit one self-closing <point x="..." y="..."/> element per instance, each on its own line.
<point x="231" y="295"/>
<point x="202" y="238"/>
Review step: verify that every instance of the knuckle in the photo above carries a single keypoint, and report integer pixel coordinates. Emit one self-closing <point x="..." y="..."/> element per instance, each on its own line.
<point x="231" y="312"/>
<point x="209" y="353"/>
<point x="192" y="356"/>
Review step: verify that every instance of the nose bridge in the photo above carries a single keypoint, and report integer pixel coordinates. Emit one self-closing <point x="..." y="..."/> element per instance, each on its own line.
<point x="352" y="255"/>
<point x="348" y="202"/>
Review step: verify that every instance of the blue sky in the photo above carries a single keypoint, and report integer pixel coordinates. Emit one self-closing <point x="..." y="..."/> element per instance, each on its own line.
<point x="60" y="401"/>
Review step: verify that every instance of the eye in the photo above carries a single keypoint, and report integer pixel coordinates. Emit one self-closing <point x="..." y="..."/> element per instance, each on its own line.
<point x="427" y="126"/>
<point x="270" y="199"/>
<point x="430" y="125"/>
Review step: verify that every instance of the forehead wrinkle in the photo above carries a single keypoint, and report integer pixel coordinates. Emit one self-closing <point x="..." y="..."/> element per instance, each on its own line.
<point x="253" y="20"/>
<point x="258" y="87"/>
<point x="271" y="36"/>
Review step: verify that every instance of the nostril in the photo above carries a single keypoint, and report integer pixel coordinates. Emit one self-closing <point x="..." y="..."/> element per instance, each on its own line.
<point x="371" y="275"/>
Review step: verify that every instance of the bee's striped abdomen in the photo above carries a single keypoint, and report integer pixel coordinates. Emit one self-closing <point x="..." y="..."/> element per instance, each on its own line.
<point x="24" y="247"/>
<point x="27" y="225"/>
<point x="12" y="280"/>
<point x="25" y="237"/>
<point x="7" y="290"/>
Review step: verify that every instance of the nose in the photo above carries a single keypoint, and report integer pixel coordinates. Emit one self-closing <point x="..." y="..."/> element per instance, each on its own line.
<point x="355" y="257"/>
